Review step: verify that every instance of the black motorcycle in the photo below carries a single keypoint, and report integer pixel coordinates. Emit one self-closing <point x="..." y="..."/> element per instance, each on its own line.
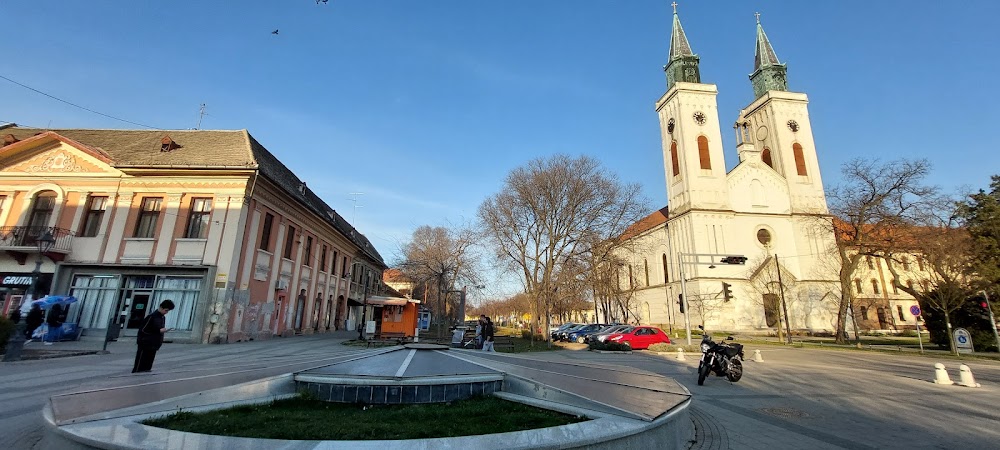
<point x="723" y="359"/>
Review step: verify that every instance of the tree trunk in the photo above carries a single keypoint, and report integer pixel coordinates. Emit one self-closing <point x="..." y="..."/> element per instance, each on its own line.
<point x="951" y="337"/>
<point x="845" y="298"/>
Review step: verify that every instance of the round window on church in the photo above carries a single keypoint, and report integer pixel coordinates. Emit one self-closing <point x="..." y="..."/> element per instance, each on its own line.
<point x="764" y="236"/>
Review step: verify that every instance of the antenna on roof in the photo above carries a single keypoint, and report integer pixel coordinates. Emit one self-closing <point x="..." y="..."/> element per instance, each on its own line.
<point x="201" y="115"/>
<point x="356" y="206"/>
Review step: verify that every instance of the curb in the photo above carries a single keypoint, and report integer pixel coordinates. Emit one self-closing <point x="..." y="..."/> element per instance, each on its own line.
<point x="629" y="352"/>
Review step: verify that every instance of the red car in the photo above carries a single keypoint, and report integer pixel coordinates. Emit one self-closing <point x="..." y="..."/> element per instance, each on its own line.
<point x="640" y="337"/>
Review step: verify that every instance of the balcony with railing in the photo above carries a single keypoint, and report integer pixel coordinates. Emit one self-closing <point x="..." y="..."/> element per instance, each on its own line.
<point x="19" y="242"/>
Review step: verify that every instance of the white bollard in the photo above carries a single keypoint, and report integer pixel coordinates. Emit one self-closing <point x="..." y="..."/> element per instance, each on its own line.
<point x="941" y="375"/>
<point x="965" y="377"/>
<point x="680" y="355"/>
<point x="757" y="357"/>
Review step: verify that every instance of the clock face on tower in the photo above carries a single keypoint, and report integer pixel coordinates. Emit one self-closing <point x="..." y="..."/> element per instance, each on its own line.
<point x="699" y="118"/>
<point x="670" y="126"/>
<point x="793" y="125"/>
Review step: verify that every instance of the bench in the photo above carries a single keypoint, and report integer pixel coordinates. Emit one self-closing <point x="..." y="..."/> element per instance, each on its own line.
<point x="389" y="338"/>
<point x="503" y="343"/>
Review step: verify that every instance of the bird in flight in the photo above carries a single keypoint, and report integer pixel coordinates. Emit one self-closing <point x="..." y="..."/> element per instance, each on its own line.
<point x="321" y="1"/>
<point x="274" y="32"/>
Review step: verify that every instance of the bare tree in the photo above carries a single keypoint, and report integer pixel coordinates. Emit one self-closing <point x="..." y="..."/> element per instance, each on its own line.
<point x="442" y="258"/>
<point x="772" y="292"/>
<point x="874" y="199"/>
<point x="548" y="210"/>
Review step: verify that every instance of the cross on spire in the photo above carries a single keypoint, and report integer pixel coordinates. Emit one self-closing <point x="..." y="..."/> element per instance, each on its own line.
<point x="757" y="15"/>
<point x="674" y="4"/>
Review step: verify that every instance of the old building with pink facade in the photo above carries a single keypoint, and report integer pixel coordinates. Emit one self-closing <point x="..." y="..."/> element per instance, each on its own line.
<point x="209" y="219"/>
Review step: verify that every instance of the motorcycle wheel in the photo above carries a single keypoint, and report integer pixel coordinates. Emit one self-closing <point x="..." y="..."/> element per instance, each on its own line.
<point x="735" y="370"/>
<point x="702" y="372"/>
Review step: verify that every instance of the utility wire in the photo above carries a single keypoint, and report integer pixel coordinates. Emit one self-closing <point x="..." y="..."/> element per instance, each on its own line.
<point x="78" y="106"/>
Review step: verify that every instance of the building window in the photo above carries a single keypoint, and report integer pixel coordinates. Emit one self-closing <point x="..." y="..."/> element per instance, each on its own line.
<point x="265" y="235"/>
<point x="631" y="281"/>
<point x="666" y="273"/>
<point x="895" y="290"/>
<point x="899" y="310"/>
<point x="766" y="157"/>
<point x="344" y="268"/>
<point x="925" y="286"/>
<point x="201" y="210"/>
<point x="645" y="268"/>
<point x="93" y="217"/>
<point x="800" y="159"/>
<point x="857" y="285"/>
<point x="289" y="242"/>
<point x="864" y="313"/>
<point x="309" y="251"/>
<point x="703" y="156"/>
<point x="909" y="284"/>
<point x="906" y="263"/>
<point x="764" y="237"/>
<point x="149" y="215"/>
<point x="871" y="265"/>
<point x="920" y="263"/>
<point x="874" y="285"/>
<point x="322" y="260"/>
<point x="41" y="210"/>
<point x="333" y="263"/>
<point x="674" y="164"/>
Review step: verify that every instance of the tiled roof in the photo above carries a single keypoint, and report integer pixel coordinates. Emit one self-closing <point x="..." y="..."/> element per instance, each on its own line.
<point x="206" y="148"/>
<point x="658" y="217"/>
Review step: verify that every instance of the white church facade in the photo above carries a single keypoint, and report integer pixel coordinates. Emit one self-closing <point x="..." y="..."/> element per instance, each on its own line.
<point x="771" y="208"/>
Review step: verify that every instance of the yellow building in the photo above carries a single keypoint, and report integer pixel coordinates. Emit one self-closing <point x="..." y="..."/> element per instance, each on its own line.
<point x="209" y="219"/>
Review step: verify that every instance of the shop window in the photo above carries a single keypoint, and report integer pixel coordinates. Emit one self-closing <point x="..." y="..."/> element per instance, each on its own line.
<point x="265" y="234"/>
<point x="94" y="216"/>
<point x="198" y="218"/>
<point x="149" y="215"/>
<point x="289" y="242"/>
<point x="41" y="210"/>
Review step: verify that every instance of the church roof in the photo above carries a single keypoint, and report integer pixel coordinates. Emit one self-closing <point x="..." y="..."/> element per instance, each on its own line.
<point x="764" y="55"/>
<point x="657" y="218"/>
<point x="679" y="45"/>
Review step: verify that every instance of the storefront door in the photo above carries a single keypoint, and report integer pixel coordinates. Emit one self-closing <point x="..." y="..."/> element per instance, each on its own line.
<point x="138" y="310"/>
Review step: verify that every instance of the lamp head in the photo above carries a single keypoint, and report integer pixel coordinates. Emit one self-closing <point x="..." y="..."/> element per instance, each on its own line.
<point x="45" y="242"/>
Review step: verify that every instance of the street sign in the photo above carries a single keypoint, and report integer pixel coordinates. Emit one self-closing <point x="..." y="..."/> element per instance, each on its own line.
<point x="963" y="340"/>
<point x="915" y="310"/>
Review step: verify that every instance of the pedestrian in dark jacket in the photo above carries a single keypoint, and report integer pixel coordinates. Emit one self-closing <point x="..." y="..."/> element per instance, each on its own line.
<point x="150" y="337"/>
<point x="34" y="320"/>
<point x="488" y="332"/>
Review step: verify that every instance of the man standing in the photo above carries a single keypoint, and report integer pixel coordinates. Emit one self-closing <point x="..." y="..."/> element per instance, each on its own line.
<point x="487" y="333"/>
<point x="150" y="337"/>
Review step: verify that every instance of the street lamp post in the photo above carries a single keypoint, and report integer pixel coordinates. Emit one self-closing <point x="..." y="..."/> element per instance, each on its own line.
<point x="993" y="322"/>
<point x="16" y="342"/>
<point x="364" y="311"/>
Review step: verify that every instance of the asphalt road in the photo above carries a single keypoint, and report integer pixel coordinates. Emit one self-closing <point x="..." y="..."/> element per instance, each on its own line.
<point x="795" y="399"/>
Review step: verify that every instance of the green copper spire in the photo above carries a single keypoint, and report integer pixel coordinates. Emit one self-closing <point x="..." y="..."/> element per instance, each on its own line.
<point x="682" y="63"/>
<point x="768" y="73"/>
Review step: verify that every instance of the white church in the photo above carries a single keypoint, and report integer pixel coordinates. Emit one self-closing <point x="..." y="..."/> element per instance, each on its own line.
<point x="770" y="209"/>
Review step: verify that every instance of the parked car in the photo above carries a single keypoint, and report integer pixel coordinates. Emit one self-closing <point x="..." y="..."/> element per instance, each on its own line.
<point x="578" y="335"/>
<point x="564" y="334"/>
<point x="640" y="337"/>
<point x="555" y="330"/>
<point x="602" y="335"/>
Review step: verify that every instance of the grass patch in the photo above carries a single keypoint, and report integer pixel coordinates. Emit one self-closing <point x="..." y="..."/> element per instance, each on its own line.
<point x="525" y="346"/>
<point x="308" y="419"/>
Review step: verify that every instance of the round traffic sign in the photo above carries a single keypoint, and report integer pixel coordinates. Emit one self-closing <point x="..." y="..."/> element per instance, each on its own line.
<point x="915" y="310"/>
<point x="962" y="339"/>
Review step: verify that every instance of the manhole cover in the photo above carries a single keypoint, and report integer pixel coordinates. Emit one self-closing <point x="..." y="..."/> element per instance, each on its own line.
<point x="784" y="413"/>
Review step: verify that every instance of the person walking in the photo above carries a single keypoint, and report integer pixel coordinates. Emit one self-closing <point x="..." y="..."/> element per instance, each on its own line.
<point x="54" y="320"/>
<point x="35" y="319"/>
<point x="150" y="337"/>
<point x="488" y="332"/>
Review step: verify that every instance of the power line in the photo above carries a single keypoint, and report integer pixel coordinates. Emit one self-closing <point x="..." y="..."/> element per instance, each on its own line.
<point x="77" y="106"/>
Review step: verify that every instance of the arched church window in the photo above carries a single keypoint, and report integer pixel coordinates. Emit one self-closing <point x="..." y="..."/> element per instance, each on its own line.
<point x="674" y="165"/>
<point x="766" y="157"/>
<point x="645" y="269"/>
<point x="666" y="272"/>
<point x="706" y="161"/>
<point x="874" y="285"/>
<point x="800" y="160"/>
<point x="41" y="210"/>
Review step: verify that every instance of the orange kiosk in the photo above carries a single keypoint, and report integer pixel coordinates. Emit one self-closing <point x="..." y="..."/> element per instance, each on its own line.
<point x="398" y="315"/>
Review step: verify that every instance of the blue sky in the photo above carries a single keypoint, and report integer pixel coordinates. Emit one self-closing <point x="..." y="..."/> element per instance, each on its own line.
<point x="425" y="105"/>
